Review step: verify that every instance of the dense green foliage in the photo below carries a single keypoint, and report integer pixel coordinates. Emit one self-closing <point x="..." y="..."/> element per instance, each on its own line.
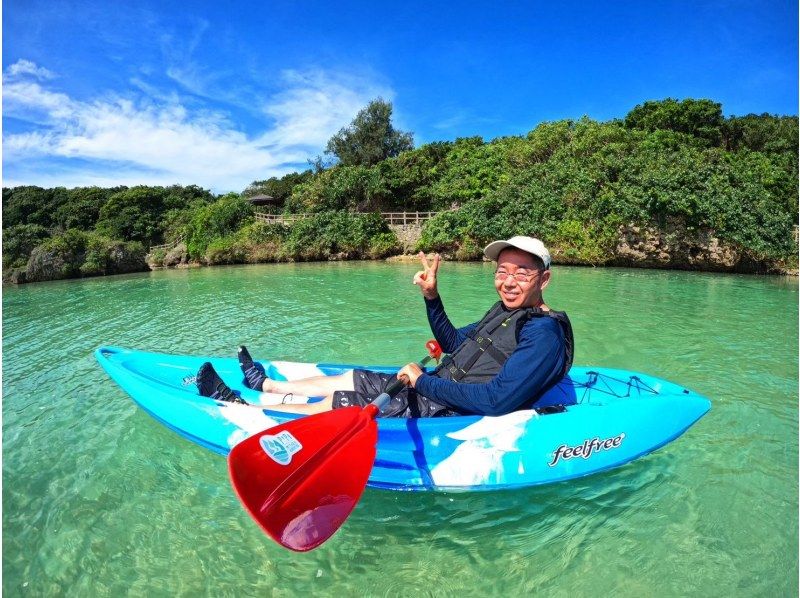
<point x="585" y="179"/>
<point x="79" y="253"/>
<point x="89" y="231"/>
<point x="279" y="189"/>
<point x="18" y="242"/>
<point x="370" y="138"/>
<point x="215" y="221"/>
<point x="672" y="176"/>
<point x="701" y="119"/>
<point x="343" y="233"/>
<point x="676" y="167"/>
<point x="322" y="236"/>
<point x="140" y="213"/>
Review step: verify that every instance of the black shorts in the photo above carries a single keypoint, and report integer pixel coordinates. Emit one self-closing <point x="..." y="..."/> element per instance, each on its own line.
<point x="407" y="403"/>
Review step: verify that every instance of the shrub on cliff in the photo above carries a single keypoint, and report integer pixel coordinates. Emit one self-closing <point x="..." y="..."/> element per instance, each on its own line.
<point x="58" y="257"/>
<point x="225" y="250"/>
<point x="339" y="188"/>
<point x="383" y="245"/>
<point x="262" y="242"/>
<point x="338" y="235"/>
<point x="77" y="253"/>
<point x="577" y="183"/>
<point x="18" y="242"/>
<point x="699" y="118"/>
<point x="216" y="221"/>
<point x="108" y="256"/>
<point x="323" y="236"/>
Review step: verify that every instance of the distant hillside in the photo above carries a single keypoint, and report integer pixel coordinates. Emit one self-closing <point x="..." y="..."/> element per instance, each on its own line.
<point x="673" y="184"/>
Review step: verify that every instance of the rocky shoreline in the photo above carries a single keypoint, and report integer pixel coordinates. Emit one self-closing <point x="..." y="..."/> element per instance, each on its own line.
<point x="677" y="248"/>
<point x="671" y="248"/>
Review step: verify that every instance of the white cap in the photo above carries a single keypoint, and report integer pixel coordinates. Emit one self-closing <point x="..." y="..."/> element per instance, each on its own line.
<point x="529" y="244"/>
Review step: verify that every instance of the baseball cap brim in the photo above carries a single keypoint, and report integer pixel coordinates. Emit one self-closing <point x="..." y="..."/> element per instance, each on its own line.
<point x="527" y="244"/>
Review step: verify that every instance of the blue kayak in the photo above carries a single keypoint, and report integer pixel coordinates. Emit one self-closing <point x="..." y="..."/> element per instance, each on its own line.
<point x="593" y="420"/>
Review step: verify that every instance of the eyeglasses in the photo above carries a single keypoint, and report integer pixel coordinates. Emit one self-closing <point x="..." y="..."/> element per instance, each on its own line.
<point x="518" y="276"/>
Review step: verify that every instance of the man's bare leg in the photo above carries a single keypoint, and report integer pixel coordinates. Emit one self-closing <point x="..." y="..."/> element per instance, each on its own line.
<point x="318" y="386"/>
<point x="210" y="384"/>
<point x="325" y="404"/>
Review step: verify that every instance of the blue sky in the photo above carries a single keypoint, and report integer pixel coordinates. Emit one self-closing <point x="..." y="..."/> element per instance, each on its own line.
<point x="223" y="93"/>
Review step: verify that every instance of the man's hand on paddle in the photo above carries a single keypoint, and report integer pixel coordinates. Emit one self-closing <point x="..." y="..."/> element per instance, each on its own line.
<point x="409" y="374"/>
<point x="426" y="278"/>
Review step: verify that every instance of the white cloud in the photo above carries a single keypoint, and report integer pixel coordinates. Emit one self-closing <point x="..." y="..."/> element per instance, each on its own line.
<point x="315" y="105"/>
<point x="157" y="139"/>
<point x="26" y="67"/>
<point x="29" y="101"/>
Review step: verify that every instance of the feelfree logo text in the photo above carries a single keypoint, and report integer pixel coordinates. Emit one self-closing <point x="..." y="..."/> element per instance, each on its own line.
<point x="585" y="449"/>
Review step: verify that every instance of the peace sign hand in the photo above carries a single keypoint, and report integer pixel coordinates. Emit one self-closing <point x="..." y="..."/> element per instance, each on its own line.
<point x="426" y="278"/>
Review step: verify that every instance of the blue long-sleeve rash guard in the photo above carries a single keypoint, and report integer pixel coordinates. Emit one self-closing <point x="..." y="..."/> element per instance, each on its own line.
<point x="534" y="366"/>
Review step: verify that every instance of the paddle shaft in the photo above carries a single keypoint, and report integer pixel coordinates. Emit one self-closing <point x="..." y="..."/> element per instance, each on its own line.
<point x="383" y="399"/>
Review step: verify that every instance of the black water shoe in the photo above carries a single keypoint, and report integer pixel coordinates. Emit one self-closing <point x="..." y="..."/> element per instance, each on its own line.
<point x="254" y="374"/>
<point x="211" y="385"/>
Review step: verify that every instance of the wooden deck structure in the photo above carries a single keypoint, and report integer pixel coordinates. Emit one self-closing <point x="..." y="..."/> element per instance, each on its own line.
<point x="392" y="218"/>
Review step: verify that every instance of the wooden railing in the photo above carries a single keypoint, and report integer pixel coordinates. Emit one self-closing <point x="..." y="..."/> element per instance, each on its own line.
<point x="279" y="218"/>
<point x="392" y="218"/>
<point x="166" y="246"/>
<point x="406" y="218"/>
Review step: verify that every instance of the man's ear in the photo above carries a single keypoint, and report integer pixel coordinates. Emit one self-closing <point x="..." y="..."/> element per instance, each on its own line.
<point x="545" y="279"/>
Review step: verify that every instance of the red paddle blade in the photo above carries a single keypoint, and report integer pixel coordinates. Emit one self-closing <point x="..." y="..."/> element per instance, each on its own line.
<point x="301" y="480"/>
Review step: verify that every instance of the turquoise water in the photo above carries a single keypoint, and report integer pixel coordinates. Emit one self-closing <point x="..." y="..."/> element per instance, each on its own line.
<point x="101" y="500"/>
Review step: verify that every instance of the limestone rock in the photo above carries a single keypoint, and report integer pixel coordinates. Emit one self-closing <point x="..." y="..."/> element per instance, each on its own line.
<point x="677" y="247"/>
<point x="177" y="256"/>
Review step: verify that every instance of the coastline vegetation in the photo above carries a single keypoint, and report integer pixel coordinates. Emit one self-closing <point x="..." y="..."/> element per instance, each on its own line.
<point x="673" y="184"/>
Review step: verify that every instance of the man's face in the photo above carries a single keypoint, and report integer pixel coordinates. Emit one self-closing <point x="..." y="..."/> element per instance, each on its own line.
<point x="526" y="292"/>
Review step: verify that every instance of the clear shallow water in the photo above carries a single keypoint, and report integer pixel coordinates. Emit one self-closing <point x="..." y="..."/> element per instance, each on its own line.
<point x="101" y="500"/>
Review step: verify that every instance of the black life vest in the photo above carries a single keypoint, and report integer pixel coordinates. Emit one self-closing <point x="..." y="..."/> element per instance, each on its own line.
<point x="481" y="356"/>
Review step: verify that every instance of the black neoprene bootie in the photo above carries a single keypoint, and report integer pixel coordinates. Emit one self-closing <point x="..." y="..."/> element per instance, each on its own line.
<point x="211" y="385"/>
<point x="254" y="374"/>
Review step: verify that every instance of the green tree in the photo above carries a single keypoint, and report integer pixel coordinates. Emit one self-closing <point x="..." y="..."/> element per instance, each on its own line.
<point x="279" y="188"/>
<point x="179" y="197"/>
<point x="140" y="213"/>
<point x="370" y="138"/>
<point x="699" y="118"/>
<point x="408" y="179"/>
<point x="471" y="170"/>
<point x="762" y="133"/>
<point x="82" y="208"/>
<point x="133" y="215"/>
<point x="18" y="242"/>
<point x="216" y="221"/>
<point x="354" y="188"/>
<point x="31" y="205"/>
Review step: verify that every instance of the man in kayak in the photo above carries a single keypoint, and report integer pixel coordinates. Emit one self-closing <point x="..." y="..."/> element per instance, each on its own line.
<point x="502" y="363"/>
